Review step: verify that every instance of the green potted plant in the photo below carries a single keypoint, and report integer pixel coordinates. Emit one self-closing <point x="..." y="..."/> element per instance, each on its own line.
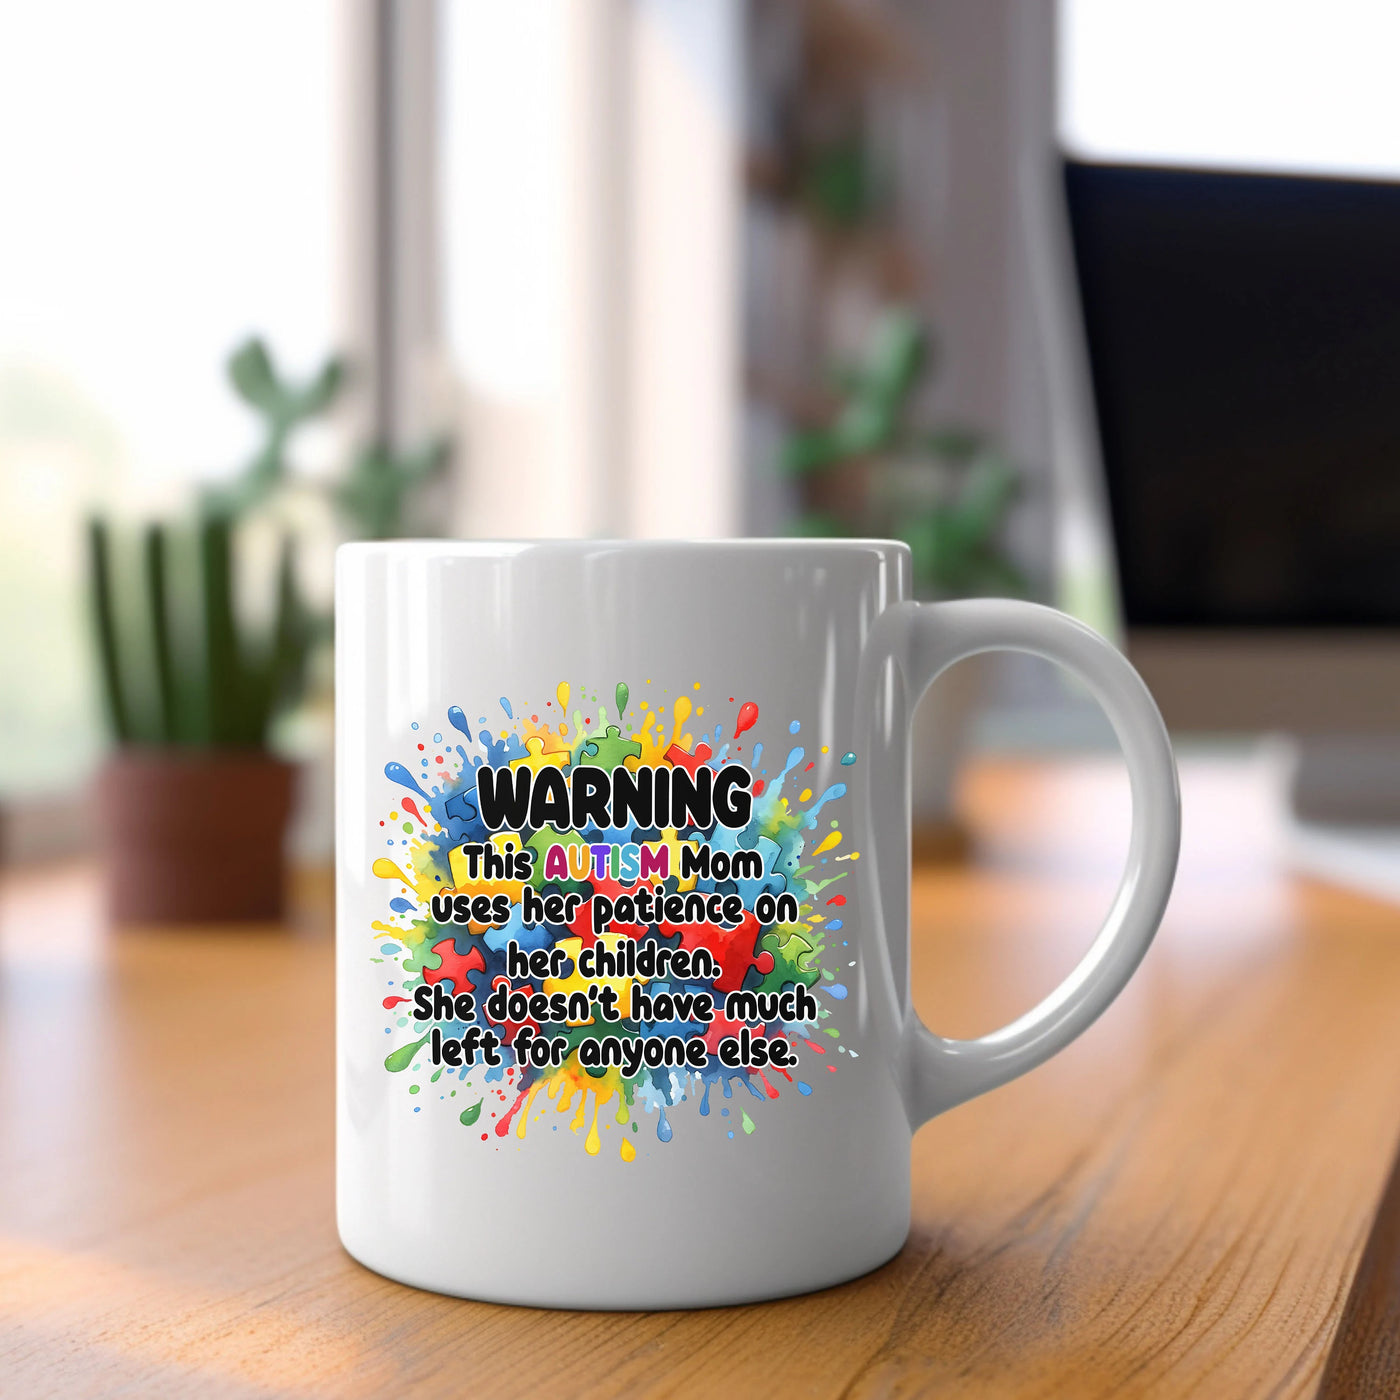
<point x="194" y="803"/>
<point x="872" y="468"/>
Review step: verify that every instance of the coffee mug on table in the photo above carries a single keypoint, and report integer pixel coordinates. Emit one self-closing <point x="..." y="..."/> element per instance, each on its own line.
<point x="623" y="1008"/>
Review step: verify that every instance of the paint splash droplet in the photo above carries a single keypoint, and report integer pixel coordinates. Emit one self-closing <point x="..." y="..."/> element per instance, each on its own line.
<point x="401" y="1058"/>
<point x="627" y="1152"/>
<point x="847" y="759"/>
<point x="795" y="726"/>
<point x="397" y="773"/>
<point x="505" y="705"/>
<point x="830" y="795"/>
<point x="621" y="695"/>
<point x="458" y="720"/>
<point x="748" y="1122"/>
<point x="663" y="1127"/>
<point x="561" y="694"/>
<point x="387" y="870"/>
<point x="748" y="717"/>
<point x="409" y="805"/>
<point x="470" y="1115"/>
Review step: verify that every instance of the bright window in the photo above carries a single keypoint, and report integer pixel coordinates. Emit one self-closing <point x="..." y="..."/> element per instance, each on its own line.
<point x="1282" y="85"/>
<point x="166" y="170"/>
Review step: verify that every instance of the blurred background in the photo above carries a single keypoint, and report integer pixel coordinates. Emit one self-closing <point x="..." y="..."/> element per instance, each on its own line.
<point x="1094" y="303"/>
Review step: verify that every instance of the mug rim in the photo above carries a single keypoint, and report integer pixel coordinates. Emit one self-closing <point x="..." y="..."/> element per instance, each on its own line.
<point x="839" y="544"/>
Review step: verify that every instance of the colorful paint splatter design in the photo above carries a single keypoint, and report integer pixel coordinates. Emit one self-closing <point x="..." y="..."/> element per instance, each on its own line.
<point x="431" y="814"/>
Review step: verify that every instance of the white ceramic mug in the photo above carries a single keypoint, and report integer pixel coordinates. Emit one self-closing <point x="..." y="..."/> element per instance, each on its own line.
<point x="623" y="910"/>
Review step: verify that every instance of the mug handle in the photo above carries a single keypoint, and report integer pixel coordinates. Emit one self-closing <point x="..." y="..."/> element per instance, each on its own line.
<point x="920" y="641"/>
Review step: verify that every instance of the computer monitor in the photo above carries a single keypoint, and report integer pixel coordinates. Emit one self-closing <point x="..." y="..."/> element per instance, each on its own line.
<point x="1243" y="341"/>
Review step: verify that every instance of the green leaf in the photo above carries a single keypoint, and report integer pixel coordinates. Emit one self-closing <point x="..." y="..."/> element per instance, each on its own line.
<point x="184" y="604"/>
<point x="251" y="373"/>
<point x="867" y="424"/>
<point x="224" y="665"/>
<point x="376" y="489"/>
<point x="877" y="394"/>
<point x="157" y="592"/>
<point x="470" y="1115"/>
<point x="895" y="357"/>
<point x="104" y="619"/>
<point x="809" y="453"/>
<point x="283" y="407"/>
<point x="279" y="677"/>
<point x="839" y="184"/>
<point x="986" y="496"/>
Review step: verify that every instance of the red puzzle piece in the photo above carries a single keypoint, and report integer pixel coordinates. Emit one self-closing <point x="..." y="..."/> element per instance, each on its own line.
<point x="689" y="761"/>
<point x="454" y="965"/>
<point x="735" y="949"/>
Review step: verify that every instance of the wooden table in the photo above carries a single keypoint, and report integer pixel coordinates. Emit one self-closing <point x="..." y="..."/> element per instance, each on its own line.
<point x="1175" y="1206"/>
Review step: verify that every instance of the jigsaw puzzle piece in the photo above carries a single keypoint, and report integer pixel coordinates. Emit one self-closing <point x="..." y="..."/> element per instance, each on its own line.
<point x="460" y="817"/>
<point x="453" y="966"/>
<point x="498" y="936"/>
<point x="735" y="949"/>
<point x="537" y="757"/>
<point x="794" y="957"/>
<point x="610" y="750"/>
<point x="683" y="758"/>
<point x="728" y="840"/>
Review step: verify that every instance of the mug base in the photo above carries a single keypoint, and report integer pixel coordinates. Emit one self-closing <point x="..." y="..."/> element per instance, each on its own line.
<point x="649" y="1295"/>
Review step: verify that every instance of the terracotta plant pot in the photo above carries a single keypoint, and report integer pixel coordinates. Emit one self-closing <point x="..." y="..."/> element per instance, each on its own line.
<point x="194" y="836"/>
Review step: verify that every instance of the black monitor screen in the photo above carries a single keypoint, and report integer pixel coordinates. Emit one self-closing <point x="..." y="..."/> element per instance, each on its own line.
<point x="1244" y="343"/>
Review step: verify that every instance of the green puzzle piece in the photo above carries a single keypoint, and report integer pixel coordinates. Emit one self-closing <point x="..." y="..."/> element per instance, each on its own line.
<point x="610" y="749"/>
<point x="794" y="959"/>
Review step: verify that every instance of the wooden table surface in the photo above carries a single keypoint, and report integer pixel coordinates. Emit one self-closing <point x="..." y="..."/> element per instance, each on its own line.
<point x="1175" y="1206"/>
